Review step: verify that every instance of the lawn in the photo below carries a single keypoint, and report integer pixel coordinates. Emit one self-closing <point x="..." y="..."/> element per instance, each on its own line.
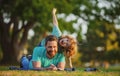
<point x="113" y="71"/>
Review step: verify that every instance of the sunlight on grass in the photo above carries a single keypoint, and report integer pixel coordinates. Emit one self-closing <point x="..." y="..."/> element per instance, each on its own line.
<point x="56" y="73"/>
<point x="79" y="72"/>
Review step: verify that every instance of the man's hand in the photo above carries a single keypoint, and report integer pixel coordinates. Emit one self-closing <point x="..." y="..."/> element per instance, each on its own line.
<point x="52" y="67"/>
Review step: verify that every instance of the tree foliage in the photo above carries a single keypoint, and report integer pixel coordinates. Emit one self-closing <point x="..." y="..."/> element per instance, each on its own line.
<point x="102" y="35"/>
<point x="17" y="17"/>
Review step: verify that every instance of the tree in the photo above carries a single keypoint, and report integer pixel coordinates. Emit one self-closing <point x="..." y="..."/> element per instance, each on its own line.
<point x="102" y="32"/>
<point x="17" y="17"/>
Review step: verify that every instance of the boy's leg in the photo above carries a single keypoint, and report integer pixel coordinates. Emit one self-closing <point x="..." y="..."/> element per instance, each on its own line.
<point x="24" y="63"/>
<point x="29" y="57"/>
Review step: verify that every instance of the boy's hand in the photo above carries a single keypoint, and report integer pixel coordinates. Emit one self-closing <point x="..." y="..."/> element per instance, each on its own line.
<point x="54" y="10"/>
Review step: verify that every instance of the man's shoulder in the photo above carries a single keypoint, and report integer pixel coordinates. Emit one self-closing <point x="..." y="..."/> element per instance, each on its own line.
<point x="38" y="48"/>
<point x="60" y="55"/>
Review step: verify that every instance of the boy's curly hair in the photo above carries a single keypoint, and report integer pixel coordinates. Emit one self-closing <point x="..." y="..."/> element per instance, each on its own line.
<point x="72" y="48"/>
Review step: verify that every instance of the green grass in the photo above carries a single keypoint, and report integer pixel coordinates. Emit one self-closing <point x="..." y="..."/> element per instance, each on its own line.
<point x="112" y="71"/>
<point x="56" y="73"/>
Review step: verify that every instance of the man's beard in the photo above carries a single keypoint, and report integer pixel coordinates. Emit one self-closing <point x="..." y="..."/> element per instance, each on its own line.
<point x="51" y="53"/>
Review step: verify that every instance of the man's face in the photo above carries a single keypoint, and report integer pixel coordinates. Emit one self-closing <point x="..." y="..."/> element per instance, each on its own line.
<point x="51" y="48"/>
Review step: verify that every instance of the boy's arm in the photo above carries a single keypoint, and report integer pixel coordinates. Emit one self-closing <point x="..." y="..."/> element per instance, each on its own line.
<point x="70" y="62"/>
<point x="56" y="31"/>
<point x="55" y="22"/>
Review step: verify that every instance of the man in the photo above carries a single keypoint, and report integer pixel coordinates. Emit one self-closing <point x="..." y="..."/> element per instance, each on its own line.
<point x="48" y="58"/>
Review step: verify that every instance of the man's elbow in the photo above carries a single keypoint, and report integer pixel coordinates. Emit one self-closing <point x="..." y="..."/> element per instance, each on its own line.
<point x="36" y="65"/>
<point x="61" y="66"/>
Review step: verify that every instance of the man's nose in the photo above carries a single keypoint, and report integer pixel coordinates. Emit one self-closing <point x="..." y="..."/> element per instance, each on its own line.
<point x="52" y="48"/>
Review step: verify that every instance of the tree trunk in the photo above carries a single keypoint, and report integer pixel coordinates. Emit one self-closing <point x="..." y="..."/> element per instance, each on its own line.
<point x="6" y="45"/>
<point x="9" y="56"/>
<point x="12" y="44"/>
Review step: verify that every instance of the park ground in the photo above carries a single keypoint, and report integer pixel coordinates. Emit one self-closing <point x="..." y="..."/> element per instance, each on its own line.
<point x="112" y="71"/>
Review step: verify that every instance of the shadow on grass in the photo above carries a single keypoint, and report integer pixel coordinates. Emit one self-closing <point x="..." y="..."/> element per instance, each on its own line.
<point x="110" y="69"/>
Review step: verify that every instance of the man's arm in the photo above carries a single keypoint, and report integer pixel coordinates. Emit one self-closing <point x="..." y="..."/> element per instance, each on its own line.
<point x="36" y="64"/>
<point x="61" y="66"/>
<point x="61" y="63"/>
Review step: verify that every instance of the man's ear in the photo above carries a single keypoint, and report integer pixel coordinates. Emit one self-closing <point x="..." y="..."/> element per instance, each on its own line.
<point x="45" y="46"/>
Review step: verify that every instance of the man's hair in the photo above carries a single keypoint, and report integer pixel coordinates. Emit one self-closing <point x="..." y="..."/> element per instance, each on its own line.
<point x="51" y="38"/>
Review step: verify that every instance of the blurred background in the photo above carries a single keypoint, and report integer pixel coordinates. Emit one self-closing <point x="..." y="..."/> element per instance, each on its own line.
<point x="94" y="23"/>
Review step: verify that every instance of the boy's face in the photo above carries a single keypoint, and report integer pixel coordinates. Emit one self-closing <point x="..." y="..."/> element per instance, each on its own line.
<point x="64" y="42"/>
<point x="51" y="48"/>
